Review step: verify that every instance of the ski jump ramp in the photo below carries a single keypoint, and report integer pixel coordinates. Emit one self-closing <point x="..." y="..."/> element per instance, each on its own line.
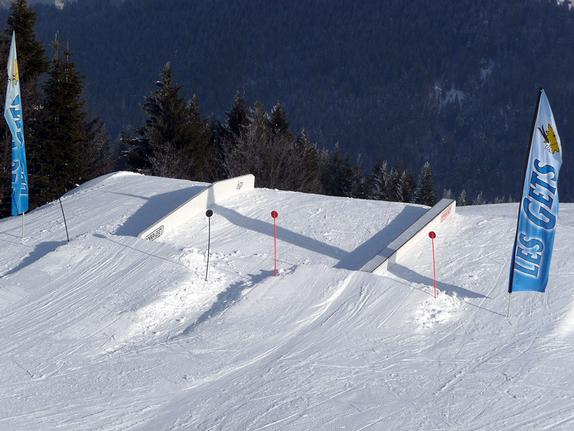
<point x="215" y="193"/>
<point x="221" y="190"/>
<point x="418" y="231"/>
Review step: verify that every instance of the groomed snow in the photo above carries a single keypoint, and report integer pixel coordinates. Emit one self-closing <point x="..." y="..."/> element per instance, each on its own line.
<point x="110" y="332"/>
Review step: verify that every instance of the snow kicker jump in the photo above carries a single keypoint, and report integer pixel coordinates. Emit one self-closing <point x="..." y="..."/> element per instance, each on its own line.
<point x="215" y="193"/>
<point x="410" y="236"/>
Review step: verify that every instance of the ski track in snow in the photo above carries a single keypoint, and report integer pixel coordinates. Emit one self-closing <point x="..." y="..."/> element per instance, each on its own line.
<point x="109" y="332"/>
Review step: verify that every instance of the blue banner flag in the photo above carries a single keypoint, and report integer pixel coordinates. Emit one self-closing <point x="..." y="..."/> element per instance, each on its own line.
<point x="532" y="255"/>
<point x="14" y="118"/>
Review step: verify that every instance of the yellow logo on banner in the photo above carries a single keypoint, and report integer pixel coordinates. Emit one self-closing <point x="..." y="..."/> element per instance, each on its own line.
<point x="550" y="139"/>
<point x="16" y="75"/>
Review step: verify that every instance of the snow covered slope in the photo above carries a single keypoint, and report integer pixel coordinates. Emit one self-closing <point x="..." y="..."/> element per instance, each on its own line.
<point x="110" y="332"/>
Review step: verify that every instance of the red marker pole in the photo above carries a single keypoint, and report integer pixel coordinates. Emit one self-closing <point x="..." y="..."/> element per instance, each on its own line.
<point x="208" y="214"/>
<point x="432" y="236"/>
<point x="274" y="214"/>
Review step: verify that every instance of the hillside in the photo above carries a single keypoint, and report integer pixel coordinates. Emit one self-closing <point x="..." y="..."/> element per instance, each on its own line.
<point x="110" y="332"/>
<point x="450" y="82"/>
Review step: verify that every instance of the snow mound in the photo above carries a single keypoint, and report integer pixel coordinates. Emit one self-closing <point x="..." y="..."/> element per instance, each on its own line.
<point x="439" y="310"/>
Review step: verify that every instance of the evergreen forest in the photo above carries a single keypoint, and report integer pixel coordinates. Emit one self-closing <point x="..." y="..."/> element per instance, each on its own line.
<point x="327" y="96"/>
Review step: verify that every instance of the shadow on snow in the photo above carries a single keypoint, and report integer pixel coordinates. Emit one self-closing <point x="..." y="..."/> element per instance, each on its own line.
<point x="227" y="298"/>
<point x="40" y="250"/>
<point x="155" y="208"/>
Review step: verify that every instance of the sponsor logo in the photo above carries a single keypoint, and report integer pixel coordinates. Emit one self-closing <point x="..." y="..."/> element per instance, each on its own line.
<point x="16" y="113"/>
<point x="539" y="208"/>
<point x="550" y="139"/>
<point x="529" y="255"/>
<point x="13" y="75"/>
<point x="155" y="234"/>
<point x="446" y="214"/>
<point x="539" y="204"/>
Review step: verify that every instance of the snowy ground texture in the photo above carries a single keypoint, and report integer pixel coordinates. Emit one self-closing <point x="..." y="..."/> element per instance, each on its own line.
<point x="110" y="332"/>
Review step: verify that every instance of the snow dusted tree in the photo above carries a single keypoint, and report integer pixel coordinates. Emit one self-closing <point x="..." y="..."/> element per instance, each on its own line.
<point x="278" y="121"/>
<point x="461" y="200"/>
<point x="308" y="179"/>
<point x="238" y="116"/>
<point x="392" y="186"/>
<point x="336" y="173"/>
<point x="175" y="140"/>
<point x="243" y="154"/>
<point x="405" y="188"/>
<point x="224" y="137"/>
<point x="378" y="179"/>
<point x="261" y="143"/>
<point x="199" y="150"/>
<point x="70" y="143"/>
<point x="424" y="194"/>
<point x="479" y="199"/>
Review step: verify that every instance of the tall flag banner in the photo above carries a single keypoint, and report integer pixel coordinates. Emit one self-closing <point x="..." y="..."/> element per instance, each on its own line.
<point x="532" y="254"/>
<point x="13" y="116"/>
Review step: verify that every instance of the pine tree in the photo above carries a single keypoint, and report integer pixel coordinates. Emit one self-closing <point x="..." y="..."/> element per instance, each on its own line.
<point x="165" y="133"/>
<point x="97" y="151"/>
<point x="392" y="186"/>
<point x="225" y="136"/>
<point x="198" y="150"/>
<point x="261" y="143"/>
<point x="378" y="179"/>
<point x="64" y="133"/>
<point x="405" y="188"/>
<point x="479" y="199"/>
<point x="461" y="200"/>
<point x="132" y="151"/>
<point x="278" y="121"/>
<point x="218" y="140"/>
<point x="238" y="116"/>
<point x="424" y="194"/>
<point x="306" y="170"/>
<point x="336" y="173"/>
<point x="359" y="188"/>
<point x="175" y="141"/>
<point x="244" y="153"/>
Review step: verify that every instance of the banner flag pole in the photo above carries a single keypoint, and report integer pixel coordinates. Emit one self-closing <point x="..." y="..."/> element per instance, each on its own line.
<point x="538" y="206"/>
<point x="14" y="118"/>
<point x="534" y="117"/>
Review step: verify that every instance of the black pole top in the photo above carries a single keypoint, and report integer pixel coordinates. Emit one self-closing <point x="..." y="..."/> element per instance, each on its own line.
<point x="208" y="213"/>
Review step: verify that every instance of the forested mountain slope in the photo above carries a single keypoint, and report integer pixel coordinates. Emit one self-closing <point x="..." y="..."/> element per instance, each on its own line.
<point x="451" y="82"/>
